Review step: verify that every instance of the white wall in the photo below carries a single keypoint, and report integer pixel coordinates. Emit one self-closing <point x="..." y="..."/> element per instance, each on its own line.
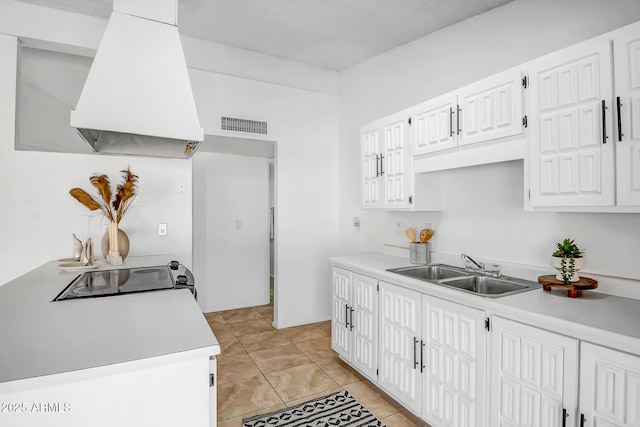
<point x="304" y="126"/>
<point x="39" y="216"/>
<point x="231" y="260"/>
<point x="302" y="116"/>
<point x="483" y="212"/>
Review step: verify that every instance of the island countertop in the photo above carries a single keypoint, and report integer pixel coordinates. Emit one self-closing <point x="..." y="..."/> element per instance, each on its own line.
<point x="39" y="337"/>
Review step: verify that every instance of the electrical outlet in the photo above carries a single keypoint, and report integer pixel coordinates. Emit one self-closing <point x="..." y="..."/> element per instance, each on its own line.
<point x="399" y="227"/>
<point x="356" y="222"/>
<point x="428" y="225"/>
<point x="162" y="229"/>
<point x="182" y="186"/>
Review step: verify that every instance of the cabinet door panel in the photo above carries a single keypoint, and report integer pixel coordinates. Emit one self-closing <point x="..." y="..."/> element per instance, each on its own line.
<point x="365" y="324"/>
<point x="396" y="167"/>
<point x="340" y="334"/>
<point x="491" y="108"/>
<point x="455" y="376"/>
<point x="570" y="160"/>
<point x="533" y="376"/>
<point x="371" y="149"/>
<point x="433" y="127"/>
<point x="609" y="387"/>
<point x="627" y="79"/>
<point x="399" y="329"/>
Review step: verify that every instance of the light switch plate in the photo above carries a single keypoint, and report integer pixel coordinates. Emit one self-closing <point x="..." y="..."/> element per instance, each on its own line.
<point x="162" y="229"/>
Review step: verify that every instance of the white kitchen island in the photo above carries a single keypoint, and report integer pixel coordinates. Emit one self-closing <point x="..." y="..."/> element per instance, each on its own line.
<point x="137" y="359"/>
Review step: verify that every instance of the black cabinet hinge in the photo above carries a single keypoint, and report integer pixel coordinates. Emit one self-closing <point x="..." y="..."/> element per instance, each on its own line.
<point x="409" y="121"/>
<point x="410" y="200"/>
<point x="525" y="121"/>
<point x="487" y="324"/>
<point x="525" y="82"/>
<point x="212" y="379"/>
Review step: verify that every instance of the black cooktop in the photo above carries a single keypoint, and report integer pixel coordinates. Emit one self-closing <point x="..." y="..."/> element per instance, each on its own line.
<point x="91" y="284"/>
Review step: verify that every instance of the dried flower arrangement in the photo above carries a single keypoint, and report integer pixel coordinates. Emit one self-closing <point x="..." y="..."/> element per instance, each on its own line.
<point x="113" y="206"/>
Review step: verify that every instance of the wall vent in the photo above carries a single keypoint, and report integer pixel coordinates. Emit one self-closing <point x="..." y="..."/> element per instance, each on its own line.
<point x="243" y="125"/>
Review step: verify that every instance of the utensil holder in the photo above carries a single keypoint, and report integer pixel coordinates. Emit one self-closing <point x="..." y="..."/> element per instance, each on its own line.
<point x="419" y="253"/>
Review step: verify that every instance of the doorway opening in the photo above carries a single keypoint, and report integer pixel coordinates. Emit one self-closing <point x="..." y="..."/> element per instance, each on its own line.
<point x="234" y="217"/>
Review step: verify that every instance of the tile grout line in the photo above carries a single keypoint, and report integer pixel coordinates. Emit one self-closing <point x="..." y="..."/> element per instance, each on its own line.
<point x="295" y="344"/>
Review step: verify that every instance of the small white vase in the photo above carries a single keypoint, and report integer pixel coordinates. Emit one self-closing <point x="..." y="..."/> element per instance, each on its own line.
<point x="556" y="262"/>
<point x="113" y="257"/>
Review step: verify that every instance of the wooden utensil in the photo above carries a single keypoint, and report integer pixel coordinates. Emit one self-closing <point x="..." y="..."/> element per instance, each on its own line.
<point x="411" y="234"/>
<point x="429" y="235"/>
<point x="425" y="235"/>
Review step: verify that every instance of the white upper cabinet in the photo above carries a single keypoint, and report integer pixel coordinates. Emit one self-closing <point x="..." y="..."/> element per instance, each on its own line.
<point x="387" y="178"/>
<point x="434" y="126"/>
<point x="571" y="158"/>
<point x="371" y="166"/>
<point x="626" y="44"/>
<point x="477" y="124"/>
<point x="396" y="169"/>
<point x="491" y="108"/>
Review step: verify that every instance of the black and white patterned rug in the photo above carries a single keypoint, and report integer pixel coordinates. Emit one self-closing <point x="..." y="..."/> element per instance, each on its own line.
<point x="335" y="410"/>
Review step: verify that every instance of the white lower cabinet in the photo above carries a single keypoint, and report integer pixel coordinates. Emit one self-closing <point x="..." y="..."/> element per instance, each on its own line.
<point x="400" y="344"/>
<point x="354" y="329"/>
<point x="454" y="378"/>
<point x="433" y="356"/>
<point x="438" y="359"/>
<point x="534" y="376"/>
<point x="609" y="387"/>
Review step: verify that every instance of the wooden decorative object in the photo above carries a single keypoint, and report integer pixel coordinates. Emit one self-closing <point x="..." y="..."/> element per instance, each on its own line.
<point x="574" y="289"/>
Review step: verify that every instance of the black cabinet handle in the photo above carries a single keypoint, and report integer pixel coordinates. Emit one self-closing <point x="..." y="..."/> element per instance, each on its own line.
<point x="377" y="165"/>
<point x="564" y="417"/>
<point x="381" y="165"/>
<point x="604" y="122"/>
<point x="351" y="318"/>
<point x="346" y="316"/>
<point x="450" y="121"/>
<point x="618" y="105"/>
<point x="458" y="120"/>
<point x="583" y="420"/>
<point x="422" y="344"/>
<point x="415" y="356"/>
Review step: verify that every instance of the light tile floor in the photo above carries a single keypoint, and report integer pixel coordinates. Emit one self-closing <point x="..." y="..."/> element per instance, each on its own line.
<point x="263" y="369"/>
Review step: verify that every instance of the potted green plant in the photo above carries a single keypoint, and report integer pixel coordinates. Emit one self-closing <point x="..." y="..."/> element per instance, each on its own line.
<point x="568" y="259"/>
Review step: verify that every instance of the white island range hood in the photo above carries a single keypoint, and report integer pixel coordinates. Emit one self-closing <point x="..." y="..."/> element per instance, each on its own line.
<point x="137" y="99"/>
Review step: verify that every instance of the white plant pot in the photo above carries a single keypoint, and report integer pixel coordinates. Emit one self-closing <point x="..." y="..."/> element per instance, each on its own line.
<point x="556" y="262"/>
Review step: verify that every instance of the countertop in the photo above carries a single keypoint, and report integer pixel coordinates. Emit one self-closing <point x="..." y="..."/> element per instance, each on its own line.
<point x="39" y="337"/>
<point x="602" y="319"/>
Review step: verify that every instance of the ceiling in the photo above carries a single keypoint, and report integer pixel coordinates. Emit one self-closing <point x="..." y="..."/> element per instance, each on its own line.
<point x="333" y="34"/>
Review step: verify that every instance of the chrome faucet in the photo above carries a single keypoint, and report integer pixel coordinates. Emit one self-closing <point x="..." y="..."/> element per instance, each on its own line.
<point x="495" y="271"/>
<point x="467" y="257"/>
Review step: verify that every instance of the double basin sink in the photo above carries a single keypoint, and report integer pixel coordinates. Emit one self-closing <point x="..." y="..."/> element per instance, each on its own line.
<point x="462" y="280"/>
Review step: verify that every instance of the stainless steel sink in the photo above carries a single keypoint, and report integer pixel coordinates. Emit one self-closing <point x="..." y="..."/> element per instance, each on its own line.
<point x="471" y="282"/>
<point x="485" y="285"/>
<point x="430" y="272"/>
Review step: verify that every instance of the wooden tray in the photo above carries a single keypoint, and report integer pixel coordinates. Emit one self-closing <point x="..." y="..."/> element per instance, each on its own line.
<point x="574" y="289"/>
